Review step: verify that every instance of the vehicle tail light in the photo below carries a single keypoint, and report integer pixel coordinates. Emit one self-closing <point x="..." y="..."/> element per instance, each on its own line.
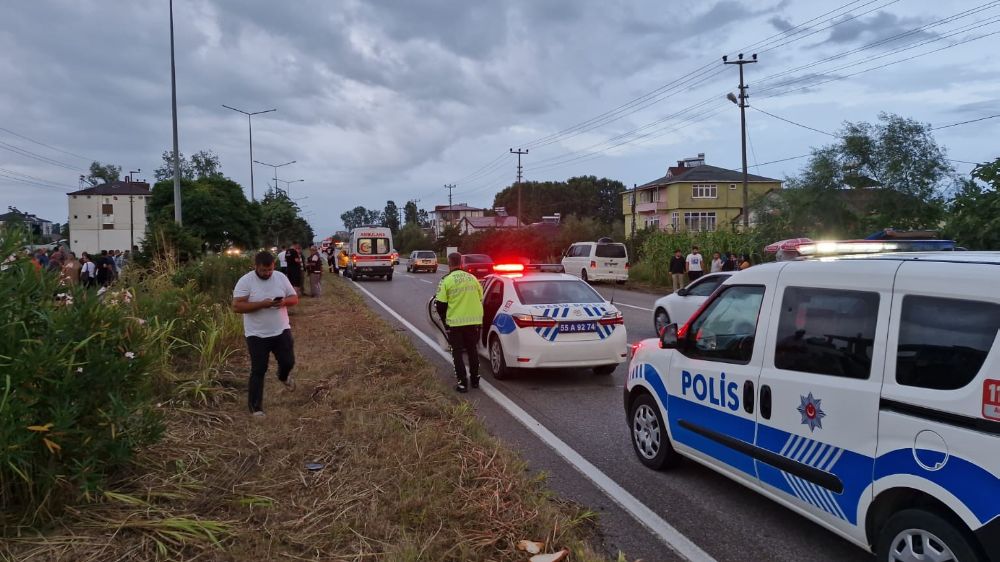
<point x="611" y="319"/>
<point x="531" y="321"/>
<point x="593" y="264"/>
<point x="627" y="265"/>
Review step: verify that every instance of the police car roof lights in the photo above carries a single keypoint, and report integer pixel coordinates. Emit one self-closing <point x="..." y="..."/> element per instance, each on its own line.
<point x="508" y="267"/>
<point x="806" y="248"/>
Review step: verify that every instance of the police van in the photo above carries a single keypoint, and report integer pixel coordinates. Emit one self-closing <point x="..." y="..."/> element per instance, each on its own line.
<point x="862" y="393"/>
<point x="370" y="253"/>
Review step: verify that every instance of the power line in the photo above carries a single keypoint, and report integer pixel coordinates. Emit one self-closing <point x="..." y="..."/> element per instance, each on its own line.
<point x="40" y="143"/>
<point x="965" y="123"/>
<point x="795" y="123"/>
<point x="34" y="183"/>
<point x="841" y="22"/>
<point x="27" y="153"/>
<point x="38" y="179"/>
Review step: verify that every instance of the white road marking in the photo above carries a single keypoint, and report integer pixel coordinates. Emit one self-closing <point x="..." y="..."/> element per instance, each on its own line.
<point x="633" y="306"/>
<point x="417" y="278"/>
<point x="670" y="536"/>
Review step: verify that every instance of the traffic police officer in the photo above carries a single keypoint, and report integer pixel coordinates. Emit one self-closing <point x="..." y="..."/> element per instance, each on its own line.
<point x="460" y="305"/>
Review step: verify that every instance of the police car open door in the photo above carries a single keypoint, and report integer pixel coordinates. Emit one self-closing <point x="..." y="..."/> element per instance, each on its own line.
<point x="818" y="398"/>
<point x="712" y="378"/>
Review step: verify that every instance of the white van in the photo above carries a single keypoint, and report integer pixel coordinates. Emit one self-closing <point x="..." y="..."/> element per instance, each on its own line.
<point x="597" y="261"/>
<point x="370" y="253"/>
<point x="863" y="394"/>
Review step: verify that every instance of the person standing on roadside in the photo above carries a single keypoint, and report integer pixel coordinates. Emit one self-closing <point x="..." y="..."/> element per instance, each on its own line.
<point x="694" y="264"/>
<point x="88" y="270"/>
<point x="677" y="269"/>
<point x="730" y="263"/>
<point x="314" y="267"/>
<point x="716" y="262"/>
<point x="460" y="304"/>
<point x="293" y="271"/>
<point x="263" y="296"/>
<point x="744" y="262"/>
<point x="70" y="270"/>
<point x="282" y="261"/>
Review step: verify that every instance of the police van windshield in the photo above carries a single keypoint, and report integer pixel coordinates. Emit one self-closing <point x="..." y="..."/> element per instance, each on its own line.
<point x="556" y="292"/>
<point x="370" y="246"/>
<point x="610" y="251"/>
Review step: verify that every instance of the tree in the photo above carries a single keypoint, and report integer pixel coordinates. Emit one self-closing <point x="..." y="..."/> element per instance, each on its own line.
<point x="360" y="216"/>
<point x="216" y="211"/>
<point x="411" y="237"/>
<point x="423" y="219"/>
<point x="974" y="213"/>
<point x="281" y="220"/>
<point x="101" y="173"/>
<point x="390" y="217"/>
<point x="410" y="213"/>
<point x="583" y="196"/>
<point x="203" y="164"/>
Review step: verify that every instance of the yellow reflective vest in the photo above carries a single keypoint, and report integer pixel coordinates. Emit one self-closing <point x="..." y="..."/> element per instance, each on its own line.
<point x="464" y="295"/>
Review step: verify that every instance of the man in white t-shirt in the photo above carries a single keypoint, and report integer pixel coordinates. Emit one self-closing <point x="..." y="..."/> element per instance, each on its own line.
<point x="263" y="296"/>
<point x="694" y="264"/>
<point x="282" y="261"/>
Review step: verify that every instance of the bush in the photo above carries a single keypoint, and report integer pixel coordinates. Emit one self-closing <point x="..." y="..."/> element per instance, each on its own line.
<point x="214" y="276"/>
<point x="76" y="388"/>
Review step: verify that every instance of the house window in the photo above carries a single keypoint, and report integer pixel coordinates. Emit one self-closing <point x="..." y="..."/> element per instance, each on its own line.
<point x="107" y="209"/>
<point x="90" y="216"/>
<point x="674" y="221"/>
<point x="75" y="217"/>
<point x="699" y="222"/>
<point x="109" y="226"/>
<point x="653" y="223"/>
<point x="732" y="186"/>
<point x="704" y="191"/>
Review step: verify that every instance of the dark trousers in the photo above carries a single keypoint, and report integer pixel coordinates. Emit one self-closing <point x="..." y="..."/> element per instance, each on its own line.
<point x="693" y="275"/>
<point x="282" y="346"/>
<point x="464" y="339"/>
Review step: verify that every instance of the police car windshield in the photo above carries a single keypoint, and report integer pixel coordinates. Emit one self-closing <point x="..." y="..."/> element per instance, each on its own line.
<point x="477" y="258"/>
<point x="556" y="292"/>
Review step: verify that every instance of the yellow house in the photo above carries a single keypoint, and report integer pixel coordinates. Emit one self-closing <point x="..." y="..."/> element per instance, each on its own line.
<point x="692" y="197"/>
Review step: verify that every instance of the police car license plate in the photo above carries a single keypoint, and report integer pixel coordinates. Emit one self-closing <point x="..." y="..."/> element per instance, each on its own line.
<point x="574" y="327"/>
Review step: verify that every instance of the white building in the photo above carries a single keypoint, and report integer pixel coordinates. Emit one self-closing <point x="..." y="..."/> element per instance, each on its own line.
<point x="446" y="215"/>
<point x="39" y="226"/>
<point x="111" y="216"/>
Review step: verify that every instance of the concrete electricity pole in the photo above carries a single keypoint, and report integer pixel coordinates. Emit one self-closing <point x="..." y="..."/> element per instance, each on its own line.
<point x="742" y="102"/>
<point x="519" y="152"/>
<point x="173" y="105"/>
<point x="449" y="187"/>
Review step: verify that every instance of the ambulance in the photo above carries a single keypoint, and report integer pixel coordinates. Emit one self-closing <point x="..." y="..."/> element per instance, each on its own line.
<point x="861" y="392"/>
<point x="370" y="253"/>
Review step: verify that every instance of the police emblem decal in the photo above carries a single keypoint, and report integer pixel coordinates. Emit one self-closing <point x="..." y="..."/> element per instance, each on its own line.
<point x="812" y="413"/>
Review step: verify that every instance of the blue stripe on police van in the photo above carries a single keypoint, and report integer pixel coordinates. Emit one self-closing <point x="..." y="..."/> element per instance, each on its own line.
<point x="565" y="312"/>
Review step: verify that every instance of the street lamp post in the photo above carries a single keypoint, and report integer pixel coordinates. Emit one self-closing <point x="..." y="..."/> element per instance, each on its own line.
<point x="173" y="106"/>
<point x="275" y="166"/>
<point x="250" y="114"/>
<point x="287" y="183"/>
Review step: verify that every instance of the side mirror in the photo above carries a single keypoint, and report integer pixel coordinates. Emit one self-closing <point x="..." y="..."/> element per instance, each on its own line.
<point x="668" y="337"/>
<point x="682" y="292"/>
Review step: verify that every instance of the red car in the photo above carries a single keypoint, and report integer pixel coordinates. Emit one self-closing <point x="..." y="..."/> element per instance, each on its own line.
<point x="479" y="265"/>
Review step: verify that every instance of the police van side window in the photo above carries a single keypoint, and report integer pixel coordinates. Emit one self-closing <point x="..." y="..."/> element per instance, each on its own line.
<point x="944" y="342"/>
<point x="827" y="332"/>
<point x="725" y="330"/>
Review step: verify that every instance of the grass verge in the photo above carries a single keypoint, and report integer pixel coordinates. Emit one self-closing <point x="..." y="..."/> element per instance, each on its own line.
<point x="408" y="472"/>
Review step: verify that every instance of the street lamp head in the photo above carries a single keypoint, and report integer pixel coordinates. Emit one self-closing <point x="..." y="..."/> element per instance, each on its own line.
<point x="725" y="58"/>
<point x="755" y="56"/>
<point x="740" y="56"/>
<point x="732" y="97"/>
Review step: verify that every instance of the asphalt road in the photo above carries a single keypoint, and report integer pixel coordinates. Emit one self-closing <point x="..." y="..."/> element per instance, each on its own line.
<point x="724" y="519"/>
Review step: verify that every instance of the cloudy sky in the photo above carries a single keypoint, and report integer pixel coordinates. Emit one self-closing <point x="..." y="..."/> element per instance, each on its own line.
<point x="392" y="99"/>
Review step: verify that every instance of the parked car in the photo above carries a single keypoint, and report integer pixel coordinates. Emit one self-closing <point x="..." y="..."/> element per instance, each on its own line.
<point x="677" y="307"/>
<point x="422" y="260"/>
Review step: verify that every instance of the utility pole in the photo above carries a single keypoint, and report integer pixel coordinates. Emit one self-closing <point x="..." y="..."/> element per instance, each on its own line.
<point x="173" y="104"/>
<point x="449" y="187"/>
<point x="131" y="213"/>
<point x="519" y="152"/>
<point x="634" y="186"/>
<point x="743" y="130"/>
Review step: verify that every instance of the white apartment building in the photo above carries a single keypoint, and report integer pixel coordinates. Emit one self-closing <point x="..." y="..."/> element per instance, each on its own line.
<point x="111" y="216"/>
<point x="446" y="215"/>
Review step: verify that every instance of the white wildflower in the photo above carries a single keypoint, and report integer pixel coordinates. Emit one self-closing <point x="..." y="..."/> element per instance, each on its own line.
<point x="79" y="369"/>
<point x="130" y="355"/>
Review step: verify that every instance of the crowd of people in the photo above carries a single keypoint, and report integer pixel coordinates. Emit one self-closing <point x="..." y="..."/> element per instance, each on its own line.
<point x="89" y="270"/>
<point x="299" y="266"/>
<point x="693" y="266"/>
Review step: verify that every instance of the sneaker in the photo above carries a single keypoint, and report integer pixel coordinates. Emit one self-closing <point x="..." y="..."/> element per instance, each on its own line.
<point x="475" y="382"/>
<point x="461" y="387"/>
<point x="258" y="414"/>
<point x="289" y="383"/>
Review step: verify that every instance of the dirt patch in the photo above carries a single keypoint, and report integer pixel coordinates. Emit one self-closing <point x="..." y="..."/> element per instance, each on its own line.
<point x="371" y="458"/>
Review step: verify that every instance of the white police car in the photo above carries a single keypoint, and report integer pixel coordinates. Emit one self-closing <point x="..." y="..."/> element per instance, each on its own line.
<point x="861" y="393"/>
<point x="540" y="320"/>
<point x="678" y="306"/>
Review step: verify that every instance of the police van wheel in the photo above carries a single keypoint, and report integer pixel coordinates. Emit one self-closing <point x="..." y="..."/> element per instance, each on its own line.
<point x="917" y="534"/>
<point x="497" y="361"/>
<point x="649" y="435"/>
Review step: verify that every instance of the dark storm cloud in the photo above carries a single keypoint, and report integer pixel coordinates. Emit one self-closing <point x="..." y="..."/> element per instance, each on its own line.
<point x="880" y="26"/>
<point x="780" y="23"/>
